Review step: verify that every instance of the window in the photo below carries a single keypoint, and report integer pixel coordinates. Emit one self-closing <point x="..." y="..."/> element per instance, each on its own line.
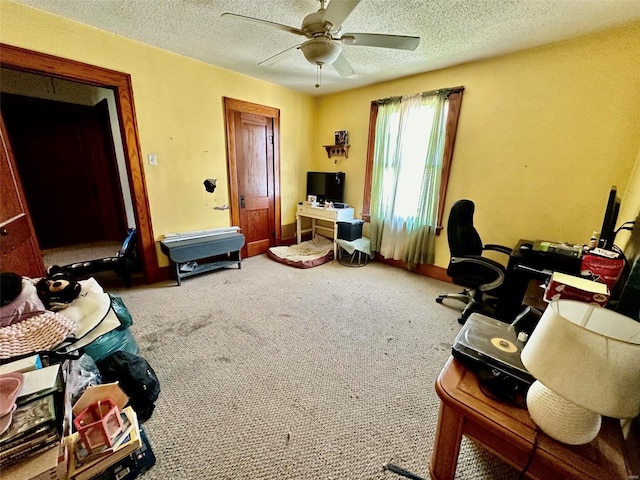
<point x="408" y="161"/>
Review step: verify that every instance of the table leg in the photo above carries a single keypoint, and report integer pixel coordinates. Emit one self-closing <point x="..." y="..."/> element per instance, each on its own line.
<point x="298" y="228"/>
<point x="335" y="238"/>
<point x="178" y="273"/>
<point x="447" y="444"/>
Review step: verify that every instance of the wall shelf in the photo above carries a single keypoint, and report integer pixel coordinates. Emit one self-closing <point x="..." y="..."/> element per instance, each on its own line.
<point x="337" y="150"/>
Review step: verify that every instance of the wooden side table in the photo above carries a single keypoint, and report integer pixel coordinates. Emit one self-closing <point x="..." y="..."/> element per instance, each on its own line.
<point x="509" y="433"/>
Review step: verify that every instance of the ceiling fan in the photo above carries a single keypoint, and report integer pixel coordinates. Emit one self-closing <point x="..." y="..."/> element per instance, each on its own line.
<point x="323" y="30"/>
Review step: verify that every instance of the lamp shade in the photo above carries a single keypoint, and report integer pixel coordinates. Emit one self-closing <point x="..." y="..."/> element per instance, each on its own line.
<point x="589" y="356"/>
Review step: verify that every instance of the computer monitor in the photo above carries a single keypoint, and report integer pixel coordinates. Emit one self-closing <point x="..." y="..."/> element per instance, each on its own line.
<point x="607" y="233"/>
<point x="326" y="186"/>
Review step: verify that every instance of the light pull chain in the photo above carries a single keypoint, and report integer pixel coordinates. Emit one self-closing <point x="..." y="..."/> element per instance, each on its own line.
<point x="318" y="75"/>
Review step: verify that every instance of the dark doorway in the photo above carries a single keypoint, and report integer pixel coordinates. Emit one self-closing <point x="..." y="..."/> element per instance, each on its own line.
<point x="65" y="157"/>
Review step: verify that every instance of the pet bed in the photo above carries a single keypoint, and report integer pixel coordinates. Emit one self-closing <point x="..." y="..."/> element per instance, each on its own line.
<point x="305" y="254"/>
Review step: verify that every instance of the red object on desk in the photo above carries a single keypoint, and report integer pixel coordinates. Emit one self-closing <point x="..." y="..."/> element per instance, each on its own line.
<point x="603" y="270"/>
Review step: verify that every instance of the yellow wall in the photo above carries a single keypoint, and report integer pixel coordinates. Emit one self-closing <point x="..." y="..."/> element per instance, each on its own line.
<point x="543" y="135"/>
<point x="179" y="108"/>
<point x="630" y="211"/>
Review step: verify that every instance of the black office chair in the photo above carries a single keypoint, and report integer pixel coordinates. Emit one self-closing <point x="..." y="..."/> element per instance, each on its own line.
<point x="480" y="275"/>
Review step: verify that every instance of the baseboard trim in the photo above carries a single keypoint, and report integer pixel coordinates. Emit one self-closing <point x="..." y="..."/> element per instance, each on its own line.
<point x="432" y="271"/>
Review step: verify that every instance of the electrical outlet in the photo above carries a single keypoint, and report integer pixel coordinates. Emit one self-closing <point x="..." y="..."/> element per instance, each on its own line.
<point x="153" y="160"/>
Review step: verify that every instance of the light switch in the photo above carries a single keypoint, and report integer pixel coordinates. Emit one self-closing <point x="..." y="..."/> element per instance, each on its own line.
<point x="152" y="159"/>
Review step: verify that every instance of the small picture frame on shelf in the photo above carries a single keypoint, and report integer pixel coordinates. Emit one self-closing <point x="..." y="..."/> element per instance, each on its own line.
<point x="341" y="137"/>
<point x="312" y="201"/>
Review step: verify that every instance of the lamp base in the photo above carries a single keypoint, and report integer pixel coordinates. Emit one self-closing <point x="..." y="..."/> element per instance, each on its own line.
<point x="561" y="419"/>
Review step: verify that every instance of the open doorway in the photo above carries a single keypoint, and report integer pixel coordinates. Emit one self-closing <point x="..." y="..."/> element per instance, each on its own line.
<point x="120" y="84"/>
<point x="71" y="164"/>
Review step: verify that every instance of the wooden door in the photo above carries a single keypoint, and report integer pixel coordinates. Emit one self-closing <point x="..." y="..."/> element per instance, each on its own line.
<point x="66" y="161"/>
<point x="19" y="250"/>
<point x="253" y="173"/>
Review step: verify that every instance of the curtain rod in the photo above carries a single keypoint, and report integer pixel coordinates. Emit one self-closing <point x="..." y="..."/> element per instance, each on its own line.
<point x="430" y="92"/>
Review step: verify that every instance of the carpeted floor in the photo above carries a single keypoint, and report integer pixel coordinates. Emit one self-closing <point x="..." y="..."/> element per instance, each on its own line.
<point x="81" y="252"/>
<point x="272" y="372"/>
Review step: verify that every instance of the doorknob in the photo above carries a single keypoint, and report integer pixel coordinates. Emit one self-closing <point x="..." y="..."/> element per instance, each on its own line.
<point x="4" y="232"/>
<point x="241" y="201"/>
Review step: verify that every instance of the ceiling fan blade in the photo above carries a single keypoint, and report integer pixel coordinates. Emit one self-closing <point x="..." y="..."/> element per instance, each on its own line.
<point x="279" y="56"/>
<point x="343" y="67"/>
<point x="279" y="26"/>
<point x="338" y="11"/>
<point x="380" y="40"/>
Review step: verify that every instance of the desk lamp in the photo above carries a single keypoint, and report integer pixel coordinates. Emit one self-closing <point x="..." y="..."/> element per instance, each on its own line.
<point x="586" y="361"/>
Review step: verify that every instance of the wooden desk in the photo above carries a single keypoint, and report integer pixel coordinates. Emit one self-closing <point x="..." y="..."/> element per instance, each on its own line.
<point x="510" y="434"/>
<point x="333" y="215"/>
<point x="521" y="269"/>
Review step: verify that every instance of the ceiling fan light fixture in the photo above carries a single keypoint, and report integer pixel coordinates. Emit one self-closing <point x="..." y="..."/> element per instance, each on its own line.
<point x="323" y="31"/>
<point x="321" y="50"/>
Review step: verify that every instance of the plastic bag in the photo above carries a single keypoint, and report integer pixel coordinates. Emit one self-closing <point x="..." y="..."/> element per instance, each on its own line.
<point x="83" y="373"/>
<point x="111" y="342"/>
<point x="601" y="269"/>
<point x="122" y="312"/>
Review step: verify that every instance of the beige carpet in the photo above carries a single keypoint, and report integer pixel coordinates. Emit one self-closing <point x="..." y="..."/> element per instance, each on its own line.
<point x="81" y="252"/>
<point x="272" y="372"/>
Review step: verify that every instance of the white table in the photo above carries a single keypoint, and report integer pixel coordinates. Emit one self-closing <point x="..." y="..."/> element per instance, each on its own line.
<point x="332" y="215"/>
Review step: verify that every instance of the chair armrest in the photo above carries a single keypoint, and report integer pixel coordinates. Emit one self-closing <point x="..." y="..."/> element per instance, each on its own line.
<point x="498" y="248"/>
<point x="486" y="263"/>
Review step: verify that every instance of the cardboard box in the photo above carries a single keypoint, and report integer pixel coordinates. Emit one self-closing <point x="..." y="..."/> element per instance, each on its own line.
<point x="569" y="287"/>
<point x="38" y="467"/>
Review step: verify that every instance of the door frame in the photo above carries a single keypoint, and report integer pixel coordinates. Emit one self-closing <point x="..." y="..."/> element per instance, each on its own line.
<point x="44" y="64"/>
<point x="232" y="104"/>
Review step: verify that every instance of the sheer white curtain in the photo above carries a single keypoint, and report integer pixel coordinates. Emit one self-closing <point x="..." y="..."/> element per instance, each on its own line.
<point x="407" y="168"/>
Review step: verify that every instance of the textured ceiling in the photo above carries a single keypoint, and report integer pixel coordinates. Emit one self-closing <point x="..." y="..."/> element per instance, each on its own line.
<point x="452" y="32"/>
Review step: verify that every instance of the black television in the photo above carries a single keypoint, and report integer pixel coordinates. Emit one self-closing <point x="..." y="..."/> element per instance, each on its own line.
<point x="326" y="186"/>
<point x="607" y="233"/>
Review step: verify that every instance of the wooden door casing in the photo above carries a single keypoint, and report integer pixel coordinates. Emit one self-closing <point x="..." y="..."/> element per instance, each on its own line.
<point x="254" y="173"/>
<point x="29" y="61"/>
<point x="19" y="249"/>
